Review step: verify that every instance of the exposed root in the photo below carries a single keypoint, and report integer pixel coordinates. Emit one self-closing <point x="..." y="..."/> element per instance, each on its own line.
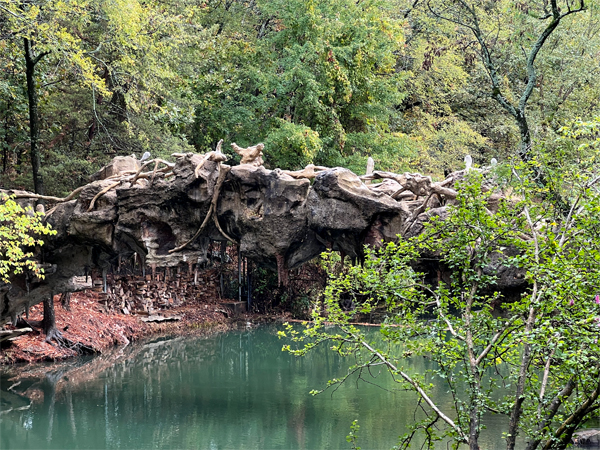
<point x="309" y="171"/>
<point x="223" y="171"/>
<point x="216" y="156"/>
<point x="154" y="172"/>
<point x="215" y="199"/>
<point x="132" y="178"/>
<point x="419" y="185"/>
<point x="54" y="335"/>
<point x="51" y="198"/>
<point x="101" y="193"/>
<point x="410" y="222"/>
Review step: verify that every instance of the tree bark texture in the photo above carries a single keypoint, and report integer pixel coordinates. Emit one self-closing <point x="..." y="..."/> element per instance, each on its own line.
<point x="34" y="125"/>
<point x="65" y="300"/>
<point x="49" y="322"/>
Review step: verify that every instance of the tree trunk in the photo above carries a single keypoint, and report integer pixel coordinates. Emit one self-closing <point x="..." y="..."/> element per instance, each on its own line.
<point x="65" y="300"/>
<point x="542" y="180"/>
<point x="19" y="161"/>
<point x="525" y="144"/>
<point x="7" y="142"/>
<point x="49" y="322"/>
<point x="34" y="125"/>
<point x="515" y="415"/>
<point x="474" y="429"/>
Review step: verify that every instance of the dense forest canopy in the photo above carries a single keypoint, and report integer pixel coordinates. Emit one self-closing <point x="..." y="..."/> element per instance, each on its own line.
<point x="414" y="84"/>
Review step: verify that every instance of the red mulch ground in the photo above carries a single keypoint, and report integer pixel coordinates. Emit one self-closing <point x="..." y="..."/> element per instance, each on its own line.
<point x="90" y="325"/>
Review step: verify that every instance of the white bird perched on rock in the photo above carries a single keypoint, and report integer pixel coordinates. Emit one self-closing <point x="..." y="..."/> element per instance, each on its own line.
<point x="494" y="162"/>
<point x="468" y="162"/>
<point x="145" y="156"/>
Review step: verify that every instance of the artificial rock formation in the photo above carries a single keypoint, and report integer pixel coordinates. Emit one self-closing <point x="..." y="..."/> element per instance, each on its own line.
<point x="309" y="171"/>
<point x="166" y="214"/>
<point x="250" y="155"/>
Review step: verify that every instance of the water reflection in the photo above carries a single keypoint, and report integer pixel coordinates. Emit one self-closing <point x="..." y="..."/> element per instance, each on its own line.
<point x="231" y="391"/>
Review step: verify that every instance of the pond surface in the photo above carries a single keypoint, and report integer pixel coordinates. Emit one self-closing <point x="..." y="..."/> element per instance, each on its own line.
<point x="235" y="390"/>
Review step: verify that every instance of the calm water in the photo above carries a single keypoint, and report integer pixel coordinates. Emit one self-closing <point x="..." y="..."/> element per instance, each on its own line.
<point x="236" y="390"/>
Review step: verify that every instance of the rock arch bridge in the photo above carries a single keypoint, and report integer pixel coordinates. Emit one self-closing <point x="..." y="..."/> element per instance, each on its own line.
<point x="166" y="213"/>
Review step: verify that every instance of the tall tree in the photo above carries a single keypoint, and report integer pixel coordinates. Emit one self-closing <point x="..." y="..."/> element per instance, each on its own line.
<point x="41" y="29"/>
<point x="534" y="22"/>
<point x="104" y="77"/>
<point x="13" y="108"/>
<point x="326" y="69"/>
<point x="31" y="60"/>
<point x="536" y="364"/>
<point x="449" y="109"/>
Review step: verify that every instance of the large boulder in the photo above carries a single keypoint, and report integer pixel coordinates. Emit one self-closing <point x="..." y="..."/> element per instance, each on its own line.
<point x="346" y="214"/>
<point x="119" y="165"/>
<point x="265" y="211"/>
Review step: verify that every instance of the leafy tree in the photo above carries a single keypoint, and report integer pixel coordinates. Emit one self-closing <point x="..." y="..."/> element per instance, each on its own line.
<point x="537" y="362"/>
<point x="292" y="145"/>
<point x="40" y="30"/>
<point x="390" y="150"/>
<point x="391" y="79"/>
<point x="537" y="23"/>
<point x="13" y="110"/>
<point x="110" y="78"/>
<point x="442" y="111"/>
<point x="326" y="66"/>
<point x="19" y="230"/>
<point x="449" y="90"/>
<point x="504" y="43"/>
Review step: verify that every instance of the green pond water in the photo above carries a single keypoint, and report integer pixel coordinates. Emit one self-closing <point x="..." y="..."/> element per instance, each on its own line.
<point x="235" y="390"/>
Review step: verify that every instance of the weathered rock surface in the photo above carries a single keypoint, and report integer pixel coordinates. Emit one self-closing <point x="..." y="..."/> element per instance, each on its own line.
<point x="118" y="165"/>
<point x="168" y="215"/>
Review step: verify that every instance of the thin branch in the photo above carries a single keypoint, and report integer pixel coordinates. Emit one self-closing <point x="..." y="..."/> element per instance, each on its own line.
<point x="412" y="7"/>
<point x="39" y="57"/>
<point x="534" y="233"/>
<point x="566" y="429"/>
<point x="494" y="340"/>
<point x="17" y="16"/>
<point x="545" y="376"/>
<point x="98" y="118"/>
<point x="515" y="415"/>
<point x="552" y="409"/>
<point x="444" y="318"/>
<point x="417" y="388"/>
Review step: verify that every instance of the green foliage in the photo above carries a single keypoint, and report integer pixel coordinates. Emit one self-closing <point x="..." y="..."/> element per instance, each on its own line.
<point x="445" y="143"/>
<point x="535" y="360"/>
<point x="448" y="82"/>
<point x="327" y="67"/>
<point x="353" y="436"/>
<point x="389" y="150"/>
<point x="570" y="160"/>
<point x="586" y="134"/>
<point x="113" y="79"/>
<point x="388" y="79"/>
<point x="19" y="230"/>
<point x="291" y="145"/>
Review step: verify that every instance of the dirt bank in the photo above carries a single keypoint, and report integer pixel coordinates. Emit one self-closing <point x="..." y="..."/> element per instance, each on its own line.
<point x="87" y="322"/>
